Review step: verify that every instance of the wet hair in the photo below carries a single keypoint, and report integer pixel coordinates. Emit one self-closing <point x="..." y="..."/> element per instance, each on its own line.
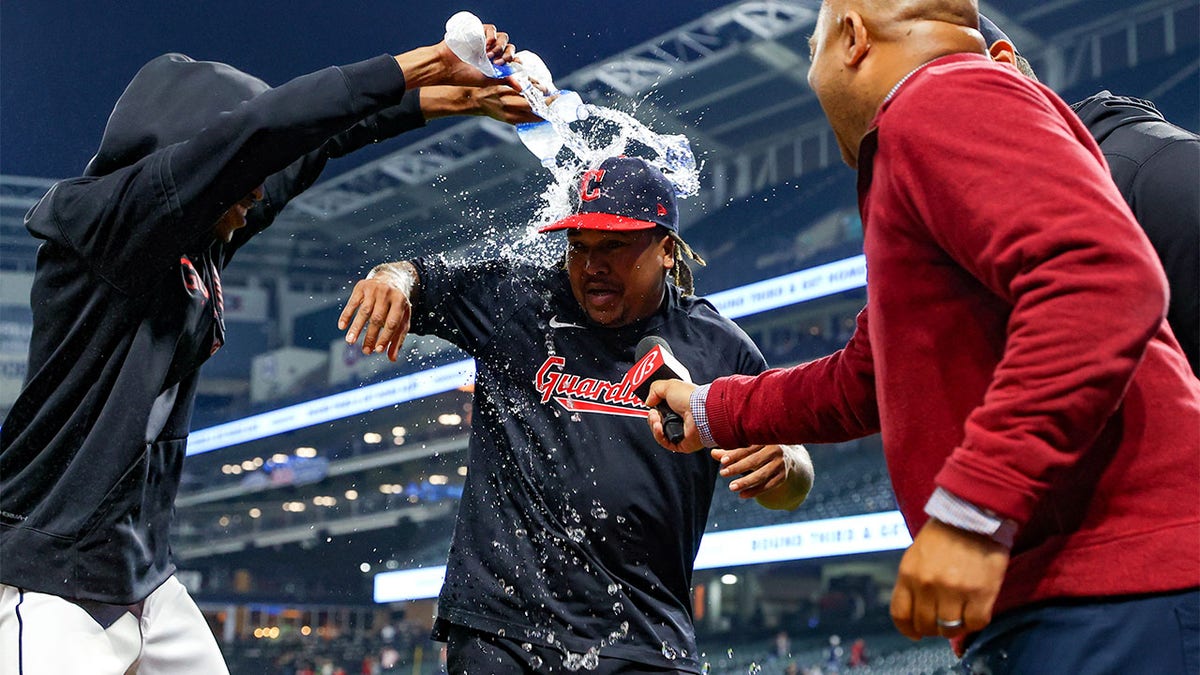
<point x="681" y="273"/>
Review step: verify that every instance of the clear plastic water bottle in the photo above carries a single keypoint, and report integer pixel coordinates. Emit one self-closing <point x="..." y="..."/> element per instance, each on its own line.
<point x="465" y="37"/>
<point x="545" y="139"/>
<point x="542" y="140"/>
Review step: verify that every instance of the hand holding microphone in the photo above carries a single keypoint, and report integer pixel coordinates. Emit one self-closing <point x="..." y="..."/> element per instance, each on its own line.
<point x="655" y="362"/>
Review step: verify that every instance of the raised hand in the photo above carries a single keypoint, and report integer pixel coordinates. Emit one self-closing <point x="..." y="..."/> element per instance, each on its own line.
<point x="381" y="304"/>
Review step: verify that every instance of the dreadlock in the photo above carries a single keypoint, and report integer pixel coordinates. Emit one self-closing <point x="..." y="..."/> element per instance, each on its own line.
<point x="681" y="273"/>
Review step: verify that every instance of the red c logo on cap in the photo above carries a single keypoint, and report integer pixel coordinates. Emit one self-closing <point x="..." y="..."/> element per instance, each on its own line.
<point x="593" y="176"/>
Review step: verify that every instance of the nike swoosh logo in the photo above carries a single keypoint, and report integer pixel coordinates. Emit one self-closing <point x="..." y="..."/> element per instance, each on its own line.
<point x="555" y="323"/>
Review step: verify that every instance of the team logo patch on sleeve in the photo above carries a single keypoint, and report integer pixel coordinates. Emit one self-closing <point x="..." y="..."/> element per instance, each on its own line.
<point x="192" y="280"/>
<point x="586" y="394"/>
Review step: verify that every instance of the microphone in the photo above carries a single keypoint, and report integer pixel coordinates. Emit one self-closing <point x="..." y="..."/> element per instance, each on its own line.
<point x="654" y="361"/>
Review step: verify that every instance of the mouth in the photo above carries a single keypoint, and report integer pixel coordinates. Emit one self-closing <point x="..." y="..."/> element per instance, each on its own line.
<point x="601" y="296"/>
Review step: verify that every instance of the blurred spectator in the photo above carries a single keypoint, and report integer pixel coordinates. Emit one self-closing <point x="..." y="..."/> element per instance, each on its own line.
<point x="833" y="657"/>
<point x="858" y="653"/>
<point x="783" y="645"/>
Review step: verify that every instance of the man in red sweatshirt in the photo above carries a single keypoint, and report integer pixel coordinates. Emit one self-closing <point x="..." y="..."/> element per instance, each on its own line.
<point x="1040" y="424"/>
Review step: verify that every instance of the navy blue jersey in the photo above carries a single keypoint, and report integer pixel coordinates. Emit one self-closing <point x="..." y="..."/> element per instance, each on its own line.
<point x="576" y="529"/>
<point x="127" y="301"/>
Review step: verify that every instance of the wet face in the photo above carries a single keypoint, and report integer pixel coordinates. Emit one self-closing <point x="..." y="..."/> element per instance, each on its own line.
<point x="619" y="277"/>
<point x="235" y="218"/>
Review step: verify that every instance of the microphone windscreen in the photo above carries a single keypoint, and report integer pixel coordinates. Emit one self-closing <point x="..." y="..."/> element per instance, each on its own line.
<point x="647" y="343"/>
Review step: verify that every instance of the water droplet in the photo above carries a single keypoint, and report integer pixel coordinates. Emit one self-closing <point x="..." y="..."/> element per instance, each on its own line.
<point x="535" y="662"/>
<point x="614" y="587"/>
<point x="669" y="652"/>
<point x="525" y="645"/>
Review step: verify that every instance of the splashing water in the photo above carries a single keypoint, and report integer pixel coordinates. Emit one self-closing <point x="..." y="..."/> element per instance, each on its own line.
<point x="588" y="134"/>
<point x="603" y="133"/>
<point x="588" y="660"/>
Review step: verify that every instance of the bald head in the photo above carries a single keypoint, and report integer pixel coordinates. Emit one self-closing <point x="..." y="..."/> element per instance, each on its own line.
<point x="862" y="48"/>
<point x="957" y="12"/>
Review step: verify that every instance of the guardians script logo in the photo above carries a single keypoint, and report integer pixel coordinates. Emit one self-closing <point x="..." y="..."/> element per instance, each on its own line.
<point x="586" y="394"/>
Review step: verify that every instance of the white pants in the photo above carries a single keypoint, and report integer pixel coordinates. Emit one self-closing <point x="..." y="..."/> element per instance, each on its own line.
<point x="46" y="635"/>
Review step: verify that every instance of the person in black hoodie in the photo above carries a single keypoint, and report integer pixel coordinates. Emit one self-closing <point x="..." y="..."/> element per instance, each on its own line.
<point x="197" y="158"/>
<point x="1156" y="166"/>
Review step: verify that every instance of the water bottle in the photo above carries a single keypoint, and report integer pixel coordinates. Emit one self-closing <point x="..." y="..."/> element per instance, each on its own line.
<point x="465" y="37"/>
<point x="542" y="140"/>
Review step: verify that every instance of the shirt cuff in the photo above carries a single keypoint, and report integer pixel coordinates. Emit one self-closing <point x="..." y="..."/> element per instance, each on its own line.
<point x="697" y="402"/>
<point x="953" y="510"/>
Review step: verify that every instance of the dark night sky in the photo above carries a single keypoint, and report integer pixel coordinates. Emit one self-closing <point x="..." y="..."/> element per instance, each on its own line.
<point x="63" y="63"/>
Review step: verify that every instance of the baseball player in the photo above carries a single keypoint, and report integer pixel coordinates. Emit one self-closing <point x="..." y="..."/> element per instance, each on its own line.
<point x="576" y="534"/>
<point x="196" y="158"/>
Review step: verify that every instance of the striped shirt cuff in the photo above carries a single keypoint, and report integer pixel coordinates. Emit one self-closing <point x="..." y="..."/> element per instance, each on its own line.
<point x="958" y="512"/>
<point x="698" y="401"/>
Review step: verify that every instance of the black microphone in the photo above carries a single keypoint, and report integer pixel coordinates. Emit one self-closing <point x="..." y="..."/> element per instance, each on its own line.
<point x="654" y="361"/>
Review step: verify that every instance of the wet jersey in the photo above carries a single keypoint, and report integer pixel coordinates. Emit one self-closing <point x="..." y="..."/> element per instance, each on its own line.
<point x="576" y="529"/>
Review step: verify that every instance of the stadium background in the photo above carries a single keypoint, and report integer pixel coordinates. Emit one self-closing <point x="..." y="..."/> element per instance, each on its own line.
<point x="319" y="478"/>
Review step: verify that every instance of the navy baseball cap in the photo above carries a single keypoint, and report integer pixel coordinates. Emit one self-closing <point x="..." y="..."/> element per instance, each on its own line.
<point x="622" y="194"/>
<point x="992" y="33"/>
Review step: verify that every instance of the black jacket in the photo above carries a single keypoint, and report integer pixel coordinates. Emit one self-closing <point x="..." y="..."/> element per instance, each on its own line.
<point x="1156" y="165"/>
<point x="126" y="305"/>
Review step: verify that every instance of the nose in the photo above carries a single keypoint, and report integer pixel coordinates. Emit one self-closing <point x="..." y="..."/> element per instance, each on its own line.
<point x="595" y="263"/>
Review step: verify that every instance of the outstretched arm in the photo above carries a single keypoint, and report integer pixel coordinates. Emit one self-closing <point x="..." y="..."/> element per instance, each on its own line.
<point x="778" y="477"/>
<point x="437" y="64"/>
<point x="383" y="304"/>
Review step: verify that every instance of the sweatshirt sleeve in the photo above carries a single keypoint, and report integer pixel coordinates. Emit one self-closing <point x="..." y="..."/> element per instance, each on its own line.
<point x="824" y="401"/>
<point x="134" y="223"/>
<point x="281" y="187"/>
<point x="1011" y="186"/>
<point x="1166" y="201"/>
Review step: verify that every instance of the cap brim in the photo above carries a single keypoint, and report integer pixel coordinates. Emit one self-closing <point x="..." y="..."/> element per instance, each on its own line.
<point x="599" y="221"/>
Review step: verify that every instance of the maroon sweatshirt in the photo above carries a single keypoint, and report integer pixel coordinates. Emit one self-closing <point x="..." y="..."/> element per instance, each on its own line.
<point x="1016" y="352"/>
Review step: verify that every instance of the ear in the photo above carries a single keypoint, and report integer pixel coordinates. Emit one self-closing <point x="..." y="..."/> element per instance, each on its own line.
<point x="668" y="252"/>
<point x="855" y="39"/>
<point x="1002" y="51"/>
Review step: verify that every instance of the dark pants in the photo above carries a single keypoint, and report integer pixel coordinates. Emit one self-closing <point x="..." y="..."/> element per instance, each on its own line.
<point x="1157" y="634"/>
<point x="470" y="652"/>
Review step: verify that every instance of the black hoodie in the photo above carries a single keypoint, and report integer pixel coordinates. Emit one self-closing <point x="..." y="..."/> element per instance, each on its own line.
<point x="1156" y="165"/>
<point x="126" y="304"/>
